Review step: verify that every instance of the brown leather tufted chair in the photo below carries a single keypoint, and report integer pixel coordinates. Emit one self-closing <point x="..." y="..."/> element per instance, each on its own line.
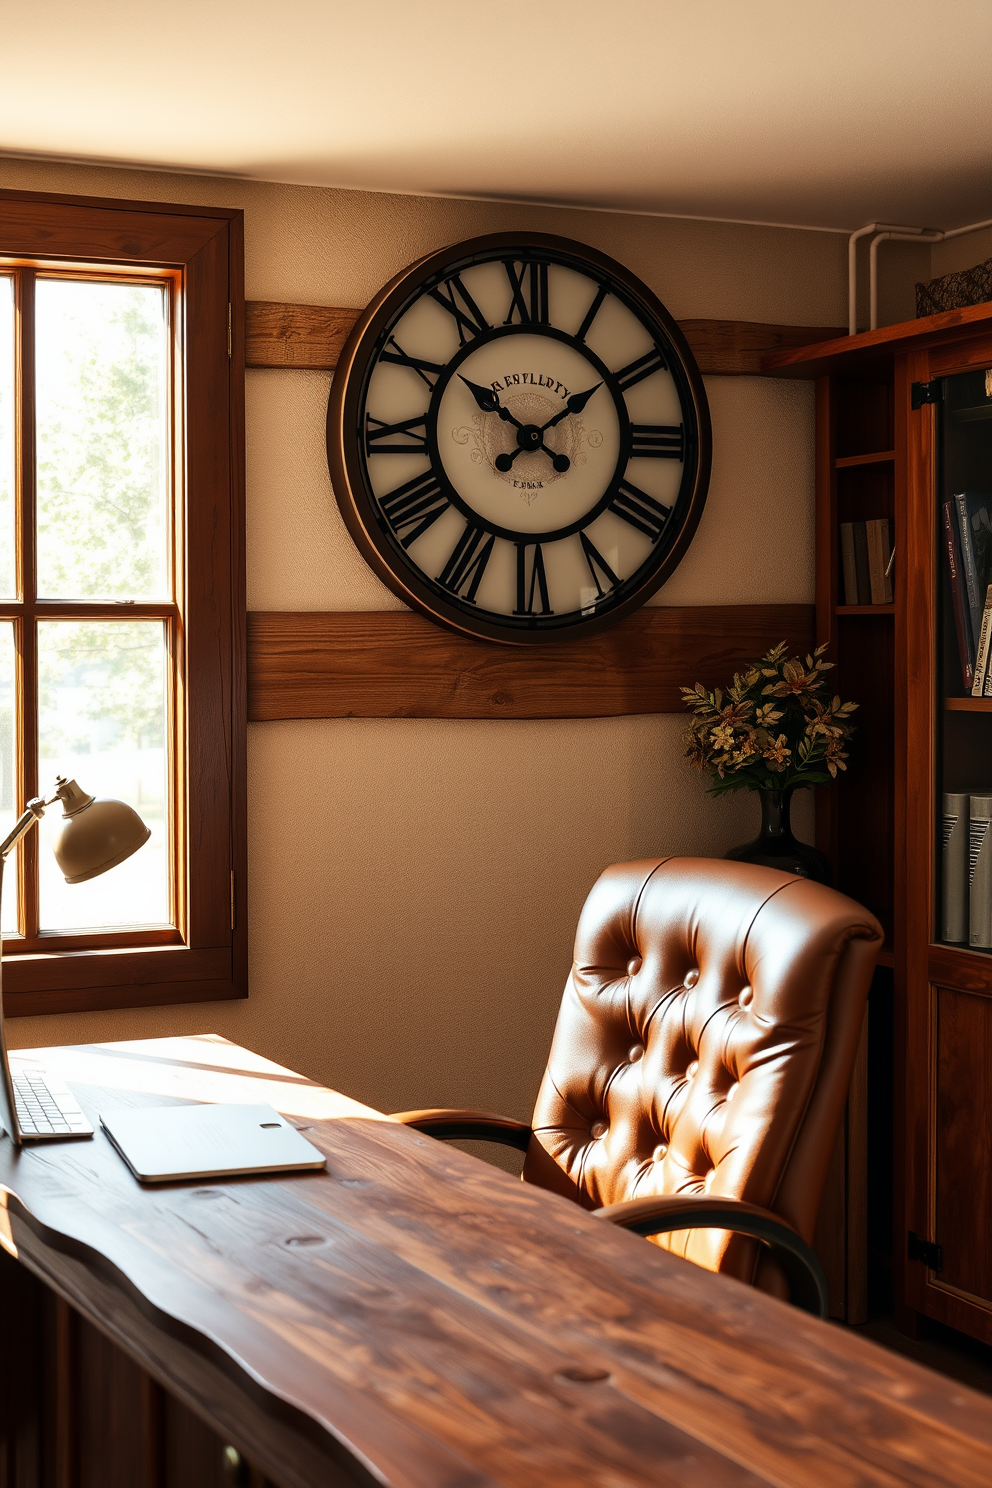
<point x="701" y="1062"/>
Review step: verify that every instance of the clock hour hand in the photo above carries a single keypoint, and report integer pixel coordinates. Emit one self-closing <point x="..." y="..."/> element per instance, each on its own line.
<point x="489" y="402"/>
<point x="575" y="404"/>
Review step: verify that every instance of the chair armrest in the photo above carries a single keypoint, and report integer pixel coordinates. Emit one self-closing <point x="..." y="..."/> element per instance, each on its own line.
<point x="664" y="1213"/>
<point x="453" y="1126"/>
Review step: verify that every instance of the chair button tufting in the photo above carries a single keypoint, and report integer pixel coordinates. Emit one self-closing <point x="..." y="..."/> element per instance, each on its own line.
<point x="635" y="1053"/>
<point x="709" y="1178"/>
<point x="598" y="1129"/>
<point x="746" y="997"/>
<point x="691" y="1071"/>
<point x="691" y="978"/>
<point x="660" y="1153"/>
<point x="634" y="965"/>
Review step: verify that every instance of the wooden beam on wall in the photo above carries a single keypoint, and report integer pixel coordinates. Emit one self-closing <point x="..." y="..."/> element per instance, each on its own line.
<point x="394" y="664"/>
<point x="310" y="337"/>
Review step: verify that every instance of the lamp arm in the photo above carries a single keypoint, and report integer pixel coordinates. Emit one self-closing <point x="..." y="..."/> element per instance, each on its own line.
<point x="35" y="811"/>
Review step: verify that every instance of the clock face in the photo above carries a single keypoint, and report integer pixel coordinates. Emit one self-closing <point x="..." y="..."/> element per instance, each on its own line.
<point x="518" y="438"/>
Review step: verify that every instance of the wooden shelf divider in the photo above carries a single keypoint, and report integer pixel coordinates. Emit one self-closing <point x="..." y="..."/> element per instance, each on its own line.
<point x="878" y="457"/>
<point x="869" y="609"/>
<point x="968" y="705"/>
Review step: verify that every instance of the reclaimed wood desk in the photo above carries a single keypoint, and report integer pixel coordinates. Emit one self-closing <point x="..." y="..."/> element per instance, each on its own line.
<point x="414" y="1317"/>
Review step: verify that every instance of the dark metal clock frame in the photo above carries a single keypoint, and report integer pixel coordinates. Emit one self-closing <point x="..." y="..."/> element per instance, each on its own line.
<point x="379" y="543"/>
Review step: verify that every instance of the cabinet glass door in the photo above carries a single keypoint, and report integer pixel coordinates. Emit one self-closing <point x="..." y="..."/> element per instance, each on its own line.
<point x="961" y="1009"/>
<point x="964" y="763"/>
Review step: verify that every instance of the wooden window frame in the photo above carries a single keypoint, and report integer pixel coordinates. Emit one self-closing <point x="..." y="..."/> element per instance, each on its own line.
<point x="201" y="251"/>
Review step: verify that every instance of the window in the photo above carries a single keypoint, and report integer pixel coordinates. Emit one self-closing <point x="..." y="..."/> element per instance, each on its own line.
<point x="122" y="593"/>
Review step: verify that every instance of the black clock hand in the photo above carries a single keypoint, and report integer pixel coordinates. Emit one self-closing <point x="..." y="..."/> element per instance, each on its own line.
<point x="489" y="402"/>
<point x="529" y="437"/>
<point x="575" y="404"/>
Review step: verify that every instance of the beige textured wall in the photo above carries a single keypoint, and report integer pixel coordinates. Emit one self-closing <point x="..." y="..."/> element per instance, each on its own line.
<point x="410" y="938"/>
<point x="962" y="253"/>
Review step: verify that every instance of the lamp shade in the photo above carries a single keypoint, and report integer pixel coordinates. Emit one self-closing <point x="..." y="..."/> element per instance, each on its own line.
<point x="96" y="835"/>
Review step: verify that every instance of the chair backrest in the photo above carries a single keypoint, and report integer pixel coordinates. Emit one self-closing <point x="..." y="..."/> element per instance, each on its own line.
<point x="705" y="1044"/>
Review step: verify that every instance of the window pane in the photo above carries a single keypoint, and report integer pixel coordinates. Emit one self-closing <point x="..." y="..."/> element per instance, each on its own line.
<point x="102" y="400"/>
<point x="7" y="441"/>
<point x="8" y="780"/>
<point x="102" y="720"/>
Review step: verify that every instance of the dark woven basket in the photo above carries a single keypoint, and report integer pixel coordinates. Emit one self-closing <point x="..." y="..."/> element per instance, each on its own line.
<point x="955" y="291"/>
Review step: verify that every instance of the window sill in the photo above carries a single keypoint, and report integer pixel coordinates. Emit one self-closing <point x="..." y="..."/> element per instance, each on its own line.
<point x="97" y="980"/>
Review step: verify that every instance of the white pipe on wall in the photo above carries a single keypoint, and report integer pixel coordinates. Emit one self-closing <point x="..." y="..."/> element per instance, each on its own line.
<point x="852" y="265"/>
<point x="916" y="236"/>
<point x="883" y="231"/>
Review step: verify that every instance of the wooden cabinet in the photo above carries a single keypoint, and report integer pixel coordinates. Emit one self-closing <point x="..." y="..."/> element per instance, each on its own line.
<point x="76" y="1411"/>
<point x="904" y="422"/>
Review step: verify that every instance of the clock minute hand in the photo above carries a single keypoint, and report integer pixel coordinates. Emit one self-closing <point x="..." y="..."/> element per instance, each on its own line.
<point x="489" y="402"/>
<point x="575" y="404"/>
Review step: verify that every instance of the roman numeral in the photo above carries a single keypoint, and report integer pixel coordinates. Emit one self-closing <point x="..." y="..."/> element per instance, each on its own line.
<point x="591" y="313"/>
<point x="639" y="509"/>
<point x="458" y="302"/>
<point x="538" y="585"/>
<point x="468" y="562"/>
<point x="403" y="438"/>
<point x="428" y="372"/>
<point x="412" y="507"/>
<point x="635" y="372"/>
<point x="528" y="293"/>
<point x="596" y="561"/>
<point x="660" y="441"/>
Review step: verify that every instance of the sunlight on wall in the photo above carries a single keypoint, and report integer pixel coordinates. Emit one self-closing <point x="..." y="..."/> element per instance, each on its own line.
<point x="411" y="935"/>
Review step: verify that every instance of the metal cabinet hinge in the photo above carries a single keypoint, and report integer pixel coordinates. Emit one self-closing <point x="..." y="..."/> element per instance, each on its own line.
<point x="927" y="392"/>
<point x="232" y="899"/>
<point x="927" y="1251"/>
<point x="229" y="332"/>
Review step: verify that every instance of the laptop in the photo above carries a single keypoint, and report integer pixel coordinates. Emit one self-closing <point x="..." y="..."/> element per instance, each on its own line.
<point x="36" y="1105"/>
<point x="172" y="1143"/>
<point x="159" y="1144"/>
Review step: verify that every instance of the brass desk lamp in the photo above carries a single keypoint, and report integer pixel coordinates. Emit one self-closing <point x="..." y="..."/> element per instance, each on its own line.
<point x="96" y="835"/>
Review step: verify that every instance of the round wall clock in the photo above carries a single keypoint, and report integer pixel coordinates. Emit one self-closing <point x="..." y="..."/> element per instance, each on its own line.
<point x="518" y="438"/>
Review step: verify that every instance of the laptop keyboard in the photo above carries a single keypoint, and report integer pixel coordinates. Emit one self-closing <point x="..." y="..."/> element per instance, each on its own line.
<point x="46" y="1109"/>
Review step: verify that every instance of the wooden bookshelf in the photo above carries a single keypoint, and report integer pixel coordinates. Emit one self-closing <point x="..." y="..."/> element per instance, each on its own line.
<point x="924" y="1095"/>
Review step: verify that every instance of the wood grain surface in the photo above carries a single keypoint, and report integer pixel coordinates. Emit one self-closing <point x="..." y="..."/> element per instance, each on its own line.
<point x="414" y="1317"/>
<point x="311" y="337"/>
<point x="842" y="353"/>
<point x="394" y="664"/>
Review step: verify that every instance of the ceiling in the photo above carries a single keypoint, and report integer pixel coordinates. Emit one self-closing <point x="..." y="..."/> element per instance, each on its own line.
<point x="824" y="113"/>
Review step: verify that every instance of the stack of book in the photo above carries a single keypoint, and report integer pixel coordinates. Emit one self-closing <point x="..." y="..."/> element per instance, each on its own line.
<point x="967" y="537"/>
<point x="866" y="559"/>
<point x="967" y="871"/>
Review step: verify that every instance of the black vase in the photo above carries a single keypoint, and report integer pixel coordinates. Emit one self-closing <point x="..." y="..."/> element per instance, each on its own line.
<point x="775" y="846"/>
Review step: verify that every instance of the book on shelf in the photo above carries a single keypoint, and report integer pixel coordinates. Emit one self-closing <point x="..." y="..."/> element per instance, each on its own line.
<point x="866" y="554"/>
<point x="879" y="553"/>
<point x="861" y="562"/>
<point x="983" y="674"/>
<point x="954" y="876"/>
<point x="848" y="565"/>
<point x="959" y="597"/>
<point x="974" y="518"/>
<point x="980" y="873"/>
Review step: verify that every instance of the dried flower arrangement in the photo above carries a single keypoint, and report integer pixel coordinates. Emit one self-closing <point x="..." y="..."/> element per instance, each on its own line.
<point x="775" y="727"/>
